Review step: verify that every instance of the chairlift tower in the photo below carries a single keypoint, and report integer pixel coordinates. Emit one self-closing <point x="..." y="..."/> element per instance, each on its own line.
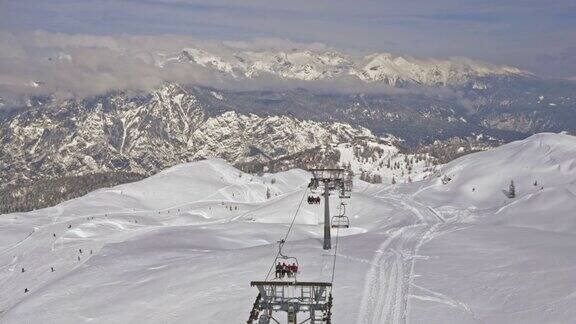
<point x="313" y="299"/>
<point x="293" y="297"/>
<point x="330" y="179"/>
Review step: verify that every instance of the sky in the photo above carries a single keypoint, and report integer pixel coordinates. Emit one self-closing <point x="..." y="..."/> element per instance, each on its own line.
<point x="535" y="35"/>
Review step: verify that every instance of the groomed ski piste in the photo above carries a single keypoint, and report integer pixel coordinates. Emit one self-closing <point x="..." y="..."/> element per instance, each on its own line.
<point x="182" y="246"/>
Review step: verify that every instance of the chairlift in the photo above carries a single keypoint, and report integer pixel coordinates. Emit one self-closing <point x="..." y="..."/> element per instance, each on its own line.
<point x="346" y="186"/>
<point x="344" y="194"/>
<point x="314" y="186"/>
<point x="341" y="220"/>
<point x="313" y="200"/>
<point x="288" y="260"/>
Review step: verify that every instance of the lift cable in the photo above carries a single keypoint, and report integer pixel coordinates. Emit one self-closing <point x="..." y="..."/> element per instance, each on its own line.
<point x="335" y="254"/>
<point x="286" y="236"/>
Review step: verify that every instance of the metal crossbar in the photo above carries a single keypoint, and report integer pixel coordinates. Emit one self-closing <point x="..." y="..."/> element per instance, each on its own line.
<point x="313" y="299"/>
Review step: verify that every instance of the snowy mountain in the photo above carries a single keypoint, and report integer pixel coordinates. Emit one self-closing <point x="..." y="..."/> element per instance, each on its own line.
<point x="143" y="135"/>
<point x="134" y="134"/>
<point x="543" y="177"/>
<point x="308" y="65"/>
<point x="179" y="245"/>
<point x="124" y="136"/>
<point x="146" y="135"/>
<point x="542" y="162"/>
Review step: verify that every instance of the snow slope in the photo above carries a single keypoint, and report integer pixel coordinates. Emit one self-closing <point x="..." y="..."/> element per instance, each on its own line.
<point x="547" y="159"/>
<point x="183" y="245"/>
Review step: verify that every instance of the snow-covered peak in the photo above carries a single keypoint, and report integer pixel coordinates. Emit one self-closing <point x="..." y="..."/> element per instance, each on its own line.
<point x="309" y="65"/>
<point x="397" y="69"/>
<point x="205" y="59"/>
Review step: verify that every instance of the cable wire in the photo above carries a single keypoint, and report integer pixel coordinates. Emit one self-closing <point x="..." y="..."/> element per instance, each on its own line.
<point x="335" y="254"/>
<point x="287" y="233"/>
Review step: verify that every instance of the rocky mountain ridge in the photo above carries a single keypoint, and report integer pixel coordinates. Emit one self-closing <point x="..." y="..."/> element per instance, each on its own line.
<point x="146" y="134"/>
<point x="121" y="136"/>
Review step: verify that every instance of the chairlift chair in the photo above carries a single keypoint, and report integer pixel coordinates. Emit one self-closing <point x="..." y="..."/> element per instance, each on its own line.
<point x="346" y="187"/>
<point x="289" y="260"/>
<point x="344" y="194"/>
<point x="340" y="221"/>
<point x="314" y="186"/>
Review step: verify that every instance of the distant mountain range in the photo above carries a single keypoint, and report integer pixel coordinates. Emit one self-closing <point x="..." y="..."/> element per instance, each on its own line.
<point x="329" y="65"/>
<point x="443" y="109"/>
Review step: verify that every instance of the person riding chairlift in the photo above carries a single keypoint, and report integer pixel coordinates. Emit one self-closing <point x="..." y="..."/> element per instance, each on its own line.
<point x="293" y="269"/>
<point x="285" y="271"/>
<point x="278" y="270"/>
<point x="313" y="200"/>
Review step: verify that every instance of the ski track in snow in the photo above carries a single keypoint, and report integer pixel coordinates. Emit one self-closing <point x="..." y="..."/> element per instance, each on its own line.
<point x="389" y="279"/>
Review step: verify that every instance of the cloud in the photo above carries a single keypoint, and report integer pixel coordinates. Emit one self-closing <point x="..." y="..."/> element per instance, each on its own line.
<point x="84" y="65"/>
<point x="513" y="32"/>
<point x="75" y="66"/>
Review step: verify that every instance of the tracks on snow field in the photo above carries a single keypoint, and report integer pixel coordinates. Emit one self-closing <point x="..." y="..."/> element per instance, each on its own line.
<point x="388" y="282"/>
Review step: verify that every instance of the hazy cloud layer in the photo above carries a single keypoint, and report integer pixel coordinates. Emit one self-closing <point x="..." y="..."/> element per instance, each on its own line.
<point x="84" y="65"/>
<point x="513" y="32"/>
